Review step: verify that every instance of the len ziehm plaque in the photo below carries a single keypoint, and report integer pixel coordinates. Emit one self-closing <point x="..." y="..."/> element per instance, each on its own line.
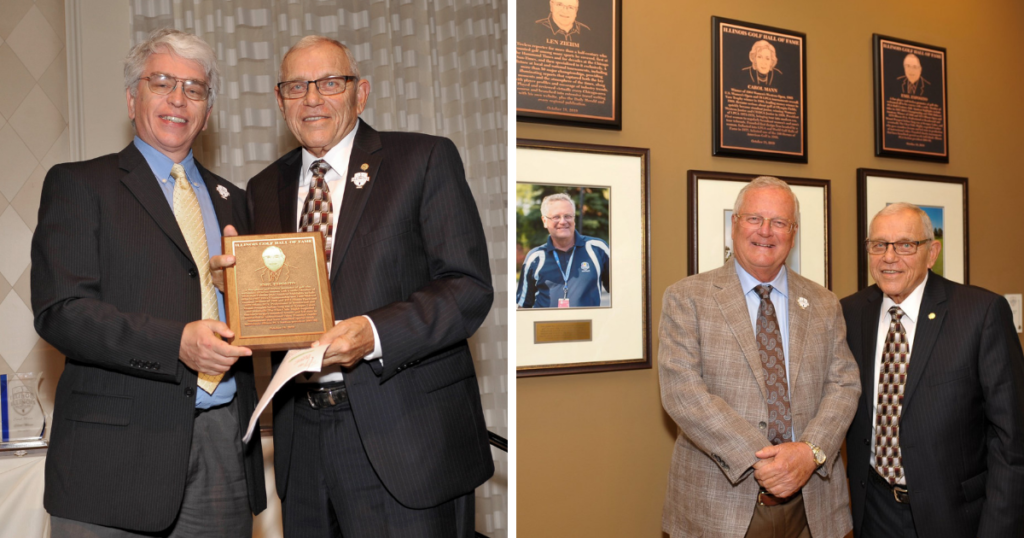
<point x="278" y="293"/>
<point x="910" y="100"/>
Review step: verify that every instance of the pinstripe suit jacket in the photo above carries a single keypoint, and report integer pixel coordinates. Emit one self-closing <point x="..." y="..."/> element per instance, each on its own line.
<point x="113" y="285"/>
<point x="713" y="387"/>
<point x="962" y="424"/>
<point x="409" y="252"/>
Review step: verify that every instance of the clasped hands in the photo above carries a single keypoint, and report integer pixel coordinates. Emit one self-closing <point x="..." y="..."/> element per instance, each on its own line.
<point x="784" y="468"/>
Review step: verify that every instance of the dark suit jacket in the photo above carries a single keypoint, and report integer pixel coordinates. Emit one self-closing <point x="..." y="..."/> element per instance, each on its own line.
<point x="409" y="252"/>
<point x="962" y="425"/>
<point x="113" y="285"/>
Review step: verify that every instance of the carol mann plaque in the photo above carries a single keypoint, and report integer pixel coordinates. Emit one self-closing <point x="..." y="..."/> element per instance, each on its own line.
<point x="278" y="294"/>
<point x="568" y="66"/>
<point x="760" y="91"/>
<point x="910" y="100"/>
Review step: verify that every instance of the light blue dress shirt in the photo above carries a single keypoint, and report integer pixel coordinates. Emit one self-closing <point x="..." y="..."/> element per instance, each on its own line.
<point x="780" y="299"/>
<point x="161" y="165"/>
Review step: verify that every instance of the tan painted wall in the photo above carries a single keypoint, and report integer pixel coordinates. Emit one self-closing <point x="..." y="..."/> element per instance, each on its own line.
<point x="593" y="450"/>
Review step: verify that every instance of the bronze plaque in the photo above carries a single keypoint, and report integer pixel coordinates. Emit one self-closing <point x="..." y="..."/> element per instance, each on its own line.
<point x="551" y="332"/>
<point x="278" y="293"/>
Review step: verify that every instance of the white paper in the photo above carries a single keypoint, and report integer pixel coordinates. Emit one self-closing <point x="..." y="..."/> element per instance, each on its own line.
<point x="1015" y="305"/>
<point x="296" y="361"/>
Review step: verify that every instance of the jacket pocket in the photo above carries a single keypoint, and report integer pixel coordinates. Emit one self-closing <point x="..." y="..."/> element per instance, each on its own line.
<point x="974" y="487"/>
<point x="100" y="408"/>
<point x="446" y="369"/>
<point x="385" y="232"/>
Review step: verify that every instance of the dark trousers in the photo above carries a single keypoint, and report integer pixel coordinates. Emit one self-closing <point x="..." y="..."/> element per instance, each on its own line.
<point x="216" y="503"/>
<point x="783" y="521"/>
<point x="334" y="492"/>
<point x="883" y="516"/>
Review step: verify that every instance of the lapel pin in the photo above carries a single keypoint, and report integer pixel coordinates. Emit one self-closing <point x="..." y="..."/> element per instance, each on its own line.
<point x="364" y="167"/>
<point x="360" y="179"/>
<point x="931" y="315"/>
<point x="223" y="191"/>
<point x="802" y="302"/>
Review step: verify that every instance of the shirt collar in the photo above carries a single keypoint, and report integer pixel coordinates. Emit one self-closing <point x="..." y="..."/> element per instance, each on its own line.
<point x="337" y="157"/>
<point x="747" y="282"/>
<point x="577" y="240"/>
<point x="911" y="306"/>
<point x="161" y="164"/>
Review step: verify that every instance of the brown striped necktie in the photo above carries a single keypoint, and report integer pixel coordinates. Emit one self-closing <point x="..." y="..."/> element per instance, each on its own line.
<point x="773" y="365"/>
<point x="317" y="210"/>
<point x="892" y="378"/>
<point x="190" y="220"/>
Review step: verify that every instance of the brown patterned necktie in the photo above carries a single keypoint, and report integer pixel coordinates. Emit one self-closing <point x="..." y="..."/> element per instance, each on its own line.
<point x="190" y="220"/>
<point x="892" y="377"/>
<point x="317" y="210"/>
<point x="773" y="365"/>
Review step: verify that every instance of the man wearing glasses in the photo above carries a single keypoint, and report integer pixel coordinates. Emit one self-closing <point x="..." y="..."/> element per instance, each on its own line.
<point x="561" y="25"/>
<point x="937" y="445"/>
<point x="152" y="404"/>
<point x="756" y="373"/>
<point x="389" y="438"/>
<point x="570" y="269"/>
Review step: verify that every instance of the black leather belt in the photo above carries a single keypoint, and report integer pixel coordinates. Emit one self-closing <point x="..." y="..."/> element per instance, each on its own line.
<point x="322" y="397"/>
<point x="900" y="493"/>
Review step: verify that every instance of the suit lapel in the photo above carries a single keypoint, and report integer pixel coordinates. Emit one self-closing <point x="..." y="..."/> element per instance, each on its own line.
<point x="140" y="180"/>
<point x="288" y="191"/>
<point x="933" y="302"/>
<point x="869" y="345"/>
<point x="798" y="320"/>
<point x="365" y="152"/>
<point x="221" y="204"/>
<point x="731" y="301"/>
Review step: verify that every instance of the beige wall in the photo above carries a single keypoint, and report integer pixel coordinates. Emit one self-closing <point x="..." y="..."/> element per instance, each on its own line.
<point x="593" y="450"/>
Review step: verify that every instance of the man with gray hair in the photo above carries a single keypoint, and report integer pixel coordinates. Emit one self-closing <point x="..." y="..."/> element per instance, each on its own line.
<point x="937" y="445"/>
<point x="570" y="269"/>
<point x="151" y="406"/>
<point x="756" y="374"/>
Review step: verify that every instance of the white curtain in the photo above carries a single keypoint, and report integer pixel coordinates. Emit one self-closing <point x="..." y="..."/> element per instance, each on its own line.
<point x="436" y="67"/>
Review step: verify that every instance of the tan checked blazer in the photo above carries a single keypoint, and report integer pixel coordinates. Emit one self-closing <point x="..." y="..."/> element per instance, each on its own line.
<point x="712" y="385"/>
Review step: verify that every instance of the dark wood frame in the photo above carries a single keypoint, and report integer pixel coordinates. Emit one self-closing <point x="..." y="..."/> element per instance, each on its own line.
<point x="863" y="219"/>
<point x="644" y="230"/>
<point x="717" y="101"/>
<point x="693" y="234"/>
<point x="880" y="149"/>
<point x="614" y="123"/>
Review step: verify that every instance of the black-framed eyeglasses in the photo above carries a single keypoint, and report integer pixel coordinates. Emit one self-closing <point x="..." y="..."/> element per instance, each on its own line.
<point x="295" y="89"/>
<point x="162" y="84"/>
<point x="777" y="224"/>
<point x="902" y="248"/>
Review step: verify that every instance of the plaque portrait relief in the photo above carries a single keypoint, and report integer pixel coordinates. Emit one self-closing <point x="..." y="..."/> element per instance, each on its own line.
<point x="274" y="267"/>
<point x="566" y="61"/>
<point x="910" y="100"/>
<point x="760" y="92"/>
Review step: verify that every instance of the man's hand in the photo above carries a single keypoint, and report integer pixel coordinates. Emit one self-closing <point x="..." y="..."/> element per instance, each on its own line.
<point x="784" y="468"/>
<point x="351" y="340"/>
<point x="218" y="263"/>
<point x="203" y="351"/>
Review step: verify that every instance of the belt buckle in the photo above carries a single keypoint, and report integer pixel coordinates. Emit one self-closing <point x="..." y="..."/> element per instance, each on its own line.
<point x="309" y="398"/>
<point x="901" y="494"/>
<point x="759" y="501"/>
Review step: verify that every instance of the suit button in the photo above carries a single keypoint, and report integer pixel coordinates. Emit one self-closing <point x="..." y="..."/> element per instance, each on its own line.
<point x="861" y="483"/>
<point x="192" y="272"/>
<point x="156" y="365"/>
<point x="188" y="391"/>
<point x="762" y="425"/>
<point x="867" y="442"/>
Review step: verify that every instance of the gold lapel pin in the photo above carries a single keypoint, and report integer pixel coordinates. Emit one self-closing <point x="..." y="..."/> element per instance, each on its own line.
<point x="931" y="315"/>
<point x="364" y="167"/>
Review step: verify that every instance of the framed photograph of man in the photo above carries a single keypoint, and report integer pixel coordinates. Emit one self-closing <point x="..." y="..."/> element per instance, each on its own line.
<point x="911" y="106"/>
<point x="582" y="254"/>
<point x="711" y="199"/>
<point x="760" y="91"/>
<point x="569" y="62"/>
<point x="943" y="199"/>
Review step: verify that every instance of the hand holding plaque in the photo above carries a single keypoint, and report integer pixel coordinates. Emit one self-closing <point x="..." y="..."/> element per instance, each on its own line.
<point x="277" y="294"/>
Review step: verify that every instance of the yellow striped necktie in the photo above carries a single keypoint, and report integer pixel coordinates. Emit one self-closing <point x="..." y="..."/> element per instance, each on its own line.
<point x="190" y="220"/>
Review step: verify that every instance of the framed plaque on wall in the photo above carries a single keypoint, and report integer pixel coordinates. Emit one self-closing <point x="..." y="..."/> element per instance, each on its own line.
<point x="911" y="108"/>
<point x="568" y="62"/>
<point x="760" y="91"/>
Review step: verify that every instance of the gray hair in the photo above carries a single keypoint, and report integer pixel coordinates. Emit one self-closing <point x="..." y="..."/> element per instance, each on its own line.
<point x="313" y="40"/>
<point x="557" y="197"/>
<point x="766" y="182"/>
<point x="169" y="40"/>
<point x="899" y="207"/>
<point x="762" y="44"/>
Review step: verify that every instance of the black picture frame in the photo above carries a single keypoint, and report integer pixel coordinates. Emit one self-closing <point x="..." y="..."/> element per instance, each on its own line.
<point x="709" y="193"/>
<point x="569" y="78"/>
<point x="878" y="188"/>
<point x="911" y="117"/>
<point x="764" y="68"/>
<point x="621" y="332"/>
